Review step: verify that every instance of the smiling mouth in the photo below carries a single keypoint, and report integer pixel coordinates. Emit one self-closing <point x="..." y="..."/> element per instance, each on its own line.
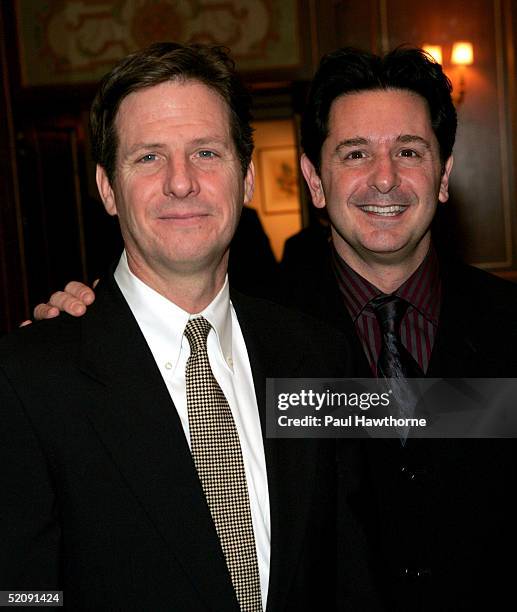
<point x="384" y="211"/>
<point x="182" y="216"/>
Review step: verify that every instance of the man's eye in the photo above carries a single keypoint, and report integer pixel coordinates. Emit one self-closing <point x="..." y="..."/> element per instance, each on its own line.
<point x="150" y="157"/>
<point x="408" y="153"/>
<point x="205" y="154"/>
<point x="355" y="155"/>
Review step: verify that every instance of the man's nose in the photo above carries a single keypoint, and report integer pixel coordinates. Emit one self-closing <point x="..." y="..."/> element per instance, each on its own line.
<point x="180" y="179"/>
<point x="384" y="174"/>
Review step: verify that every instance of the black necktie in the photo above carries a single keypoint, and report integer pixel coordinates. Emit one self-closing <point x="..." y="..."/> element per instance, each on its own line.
<point x="394" y="361"/>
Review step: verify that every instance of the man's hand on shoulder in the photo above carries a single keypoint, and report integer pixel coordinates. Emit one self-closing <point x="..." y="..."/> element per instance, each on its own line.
<point x="74" y="299"/>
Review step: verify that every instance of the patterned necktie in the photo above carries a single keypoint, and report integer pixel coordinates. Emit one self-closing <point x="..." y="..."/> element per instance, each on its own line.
<point x="218" y="458"/>
<point x="394" y="361"/>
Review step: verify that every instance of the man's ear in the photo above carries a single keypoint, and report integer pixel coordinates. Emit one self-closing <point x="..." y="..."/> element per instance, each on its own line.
<point x="313" y="181"/>
<point x="443" y="194"/>
<point x="249" y="183"/>
<point x="105" y="191"/>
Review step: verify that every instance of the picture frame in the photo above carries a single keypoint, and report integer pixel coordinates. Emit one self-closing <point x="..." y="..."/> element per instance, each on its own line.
<point x="71" y="42"/>
<point x="278" y="172"/>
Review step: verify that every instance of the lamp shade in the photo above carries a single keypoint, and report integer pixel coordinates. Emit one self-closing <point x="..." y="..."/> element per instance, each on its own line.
<point x="462" y="53"/>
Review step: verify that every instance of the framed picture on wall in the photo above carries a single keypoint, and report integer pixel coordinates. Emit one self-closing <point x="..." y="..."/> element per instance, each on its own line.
<point x="67" y="42"/>
<point x="278" y="172"/>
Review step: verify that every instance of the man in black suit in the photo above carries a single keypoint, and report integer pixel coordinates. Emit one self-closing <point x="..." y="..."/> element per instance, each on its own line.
<point x="378" y="135"/>
<point x="102" y="496"/>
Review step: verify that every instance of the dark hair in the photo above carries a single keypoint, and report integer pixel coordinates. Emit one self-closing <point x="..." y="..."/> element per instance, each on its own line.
<point x="350" y="70"/>
<point x="158" y="63"/>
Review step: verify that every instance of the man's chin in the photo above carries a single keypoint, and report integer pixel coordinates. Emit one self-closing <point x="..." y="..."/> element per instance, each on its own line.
<point x="393" y="252"/>
<point x="193" y="261"/>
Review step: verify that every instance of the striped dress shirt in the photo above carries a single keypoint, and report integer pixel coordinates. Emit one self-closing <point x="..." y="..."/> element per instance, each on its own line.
<point x="418" y="327"/>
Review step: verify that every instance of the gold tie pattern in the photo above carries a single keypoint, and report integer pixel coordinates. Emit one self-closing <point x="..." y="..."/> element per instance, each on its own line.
<point x="218" y="458"/>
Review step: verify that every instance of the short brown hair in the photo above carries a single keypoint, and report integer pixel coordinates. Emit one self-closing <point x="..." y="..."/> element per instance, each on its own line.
<point x="158" y="63"/>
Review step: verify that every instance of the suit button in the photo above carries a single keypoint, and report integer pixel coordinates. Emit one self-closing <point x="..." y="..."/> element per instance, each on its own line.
<point x="413" y="475"/>
<point x="414" y="574"/>
<point x="407" y="474"/>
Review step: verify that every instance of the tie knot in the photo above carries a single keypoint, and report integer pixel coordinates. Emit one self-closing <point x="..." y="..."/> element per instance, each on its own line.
<point x="389" y="310"/>
<point x="196" y="332"/>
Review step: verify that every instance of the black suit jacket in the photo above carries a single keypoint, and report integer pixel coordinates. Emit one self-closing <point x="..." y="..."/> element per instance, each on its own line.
<point x="439" y="515"/>
<point x="99" y="493"/>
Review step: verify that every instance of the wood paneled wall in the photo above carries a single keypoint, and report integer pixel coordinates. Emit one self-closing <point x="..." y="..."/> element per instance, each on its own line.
<point x="13" y="277"/>
<point x="481" y="216"/>
<point x="482" y="200"/>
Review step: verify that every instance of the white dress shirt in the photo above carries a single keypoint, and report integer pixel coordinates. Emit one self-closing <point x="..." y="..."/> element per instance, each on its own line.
<point x="162" y="323"/>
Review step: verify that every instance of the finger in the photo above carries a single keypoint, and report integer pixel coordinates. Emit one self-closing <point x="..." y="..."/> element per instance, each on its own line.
<point x="25" y="323"/>
<point x="96" y="282"/>
<point x="66" y="302"/>
<point x="80" y="291"/>
<point x="45" y="311"/>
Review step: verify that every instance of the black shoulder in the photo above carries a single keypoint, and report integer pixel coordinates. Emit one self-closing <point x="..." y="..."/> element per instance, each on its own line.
<point x="487" y="289"/>
<point x="42" y="342"/>
<point x="296" y="332"/>
<point x="280" y="316"/>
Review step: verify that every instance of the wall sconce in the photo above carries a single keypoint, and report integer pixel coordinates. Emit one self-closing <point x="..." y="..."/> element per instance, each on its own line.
<point x="462" y="55"/>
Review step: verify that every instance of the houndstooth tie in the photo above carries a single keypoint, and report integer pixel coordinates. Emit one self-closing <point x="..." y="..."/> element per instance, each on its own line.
<point x="217" y="455"/>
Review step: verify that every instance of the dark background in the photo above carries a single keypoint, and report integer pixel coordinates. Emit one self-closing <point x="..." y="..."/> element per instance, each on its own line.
<point x="53" y="228"/>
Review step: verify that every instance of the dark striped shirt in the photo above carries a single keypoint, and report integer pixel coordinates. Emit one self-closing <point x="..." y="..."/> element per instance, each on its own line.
<point x="418" y="328"/>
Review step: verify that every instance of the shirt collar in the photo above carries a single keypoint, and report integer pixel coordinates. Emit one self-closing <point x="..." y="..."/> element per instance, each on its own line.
<point x="422" y="289"/>
<point x="165" y="321"/>
<point x="357" y="292"/>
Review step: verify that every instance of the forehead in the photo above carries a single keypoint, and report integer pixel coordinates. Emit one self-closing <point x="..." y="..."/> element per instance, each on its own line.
<point x="176" y="103"/>
<point x="379" y="115"/>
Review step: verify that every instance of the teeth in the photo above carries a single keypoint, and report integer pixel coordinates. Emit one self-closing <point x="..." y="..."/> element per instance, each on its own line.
<point x="388" y="211"/>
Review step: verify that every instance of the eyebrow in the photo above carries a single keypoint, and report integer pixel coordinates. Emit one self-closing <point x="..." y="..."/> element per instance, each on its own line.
<point x="408" y="138"/>
<point x="352" y="142"/>
<point x="403" y="138"/>
<point x="144" y="146"/>
<point x="209" y="140"/>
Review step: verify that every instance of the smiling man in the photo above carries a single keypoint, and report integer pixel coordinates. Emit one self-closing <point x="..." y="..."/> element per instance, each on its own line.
<point x="133" y="467"/>
<point x="373" y="158"/>
<point x="381" y="178"/>
<point x="378" y="134"/>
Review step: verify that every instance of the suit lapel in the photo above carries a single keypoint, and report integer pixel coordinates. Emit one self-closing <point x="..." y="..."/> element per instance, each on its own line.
<point x="337" y="315"/>
<point x="456" y="349"/>
<point x="290" y="464"/>
<point x="133" y="414"/>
